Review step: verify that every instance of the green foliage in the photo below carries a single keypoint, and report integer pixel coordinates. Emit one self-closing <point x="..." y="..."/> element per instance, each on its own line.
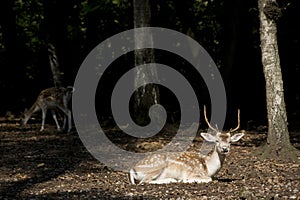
<point x="29" y="16"/>
<point x="107" y="17"/>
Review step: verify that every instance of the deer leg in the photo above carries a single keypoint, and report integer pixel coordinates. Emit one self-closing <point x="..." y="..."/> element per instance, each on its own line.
<point x="65" y="122"/>
<point x="69" y="120"/>
<point x="164" y="181"/>
<point x="142" y="177"/>
<point x="152" y="175"/>
<point x="44" y="113"/>
<point x="146" y="174"/>
<point x="55" y="119"/>
<point x="68" y="113"/>
<point x="161" y="178"/>
<point x="197" y="179"/>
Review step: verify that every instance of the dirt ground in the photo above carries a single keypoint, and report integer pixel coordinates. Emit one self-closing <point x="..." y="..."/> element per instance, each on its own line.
<point x="55" y="165"/>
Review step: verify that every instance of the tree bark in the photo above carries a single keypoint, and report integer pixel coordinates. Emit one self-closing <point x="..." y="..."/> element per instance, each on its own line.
<point x="278" y="144"/>
<point x="56" y="72"/>
<point x="148" y="94"/>
<point x="231" y="38"/>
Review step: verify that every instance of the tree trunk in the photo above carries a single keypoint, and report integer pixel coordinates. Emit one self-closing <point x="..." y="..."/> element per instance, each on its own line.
<point x="147" y="95"/>
<point x="278" y="144"/>
<point x="232" y="29"/>
<point x="56" y="73"/>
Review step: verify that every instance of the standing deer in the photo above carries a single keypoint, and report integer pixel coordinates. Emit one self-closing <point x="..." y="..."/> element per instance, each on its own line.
<point x="186" y="167"/>
<point x="51" y="98"/>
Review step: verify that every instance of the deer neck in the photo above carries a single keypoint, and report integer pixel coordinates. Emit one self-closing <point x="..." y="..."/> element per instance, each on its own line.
<point x="214" y="161"/>
<point x="35" y="107"/>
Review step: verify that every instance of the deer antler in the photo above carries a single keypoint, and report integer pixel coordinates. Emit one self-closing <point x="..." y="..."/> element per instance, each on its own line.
<point x="238" y="126"/>
<point x="210" y="126"/>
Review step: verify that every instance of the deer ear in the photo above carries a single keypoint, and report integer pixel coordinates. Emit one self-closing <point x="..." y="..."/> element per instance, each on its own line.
<point x="208" y="137"/>
<point x="236" y="137"/>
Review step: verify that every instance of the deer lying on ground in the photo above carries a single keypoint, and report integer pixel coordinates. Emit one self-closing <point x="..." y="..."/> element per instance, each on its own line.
<point x="51" y="98"/>
<point x="187" y="167"/>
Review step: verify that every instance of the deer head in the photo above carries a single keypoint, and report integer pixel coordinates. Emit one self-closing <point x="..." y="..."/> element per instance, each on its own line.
<point x="222" y="139"/>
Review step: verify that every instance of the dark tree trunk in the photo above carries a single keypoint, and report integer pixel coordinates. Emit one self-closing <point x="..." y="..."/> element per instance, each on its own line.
<point x="56" y="72"/>
<point x="232" y="52"/>
<point x="231" y="38"/>
<point x="147" y="95"/>
<point x="278" y="144"/>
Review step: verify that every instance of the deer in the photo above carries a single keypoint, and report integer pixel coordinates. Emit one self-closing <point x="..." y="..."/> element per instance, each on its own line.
<point x="51" y="98"/>
<point x="189" y="166"/>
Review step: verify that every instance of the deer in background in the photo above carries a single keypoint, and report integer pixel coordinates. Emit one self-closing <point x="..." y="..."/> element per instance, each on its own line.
<point x="186" y="167"/>
<point x="51" y="98"/>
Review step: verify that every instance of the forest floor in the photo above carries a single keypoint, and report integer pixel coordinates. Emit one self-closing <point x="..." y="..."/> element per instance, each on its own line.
<point x="56" y="165"/>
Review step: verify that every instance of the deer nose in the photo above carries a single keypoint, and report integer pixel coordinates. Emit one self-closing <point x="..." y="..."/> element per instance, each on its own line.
<point x="225" y="149"/>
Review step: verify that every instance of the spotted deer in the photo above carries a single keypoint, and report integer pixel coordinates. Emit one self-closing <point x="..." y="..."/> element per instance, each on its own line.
<point x="51" y="98"/>
<point x="186" y="167"/>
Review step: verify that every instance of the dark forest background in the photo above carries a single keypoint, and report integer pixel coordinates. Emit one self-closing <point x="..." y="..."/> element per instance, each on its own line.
<point x="228" y="30"/>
